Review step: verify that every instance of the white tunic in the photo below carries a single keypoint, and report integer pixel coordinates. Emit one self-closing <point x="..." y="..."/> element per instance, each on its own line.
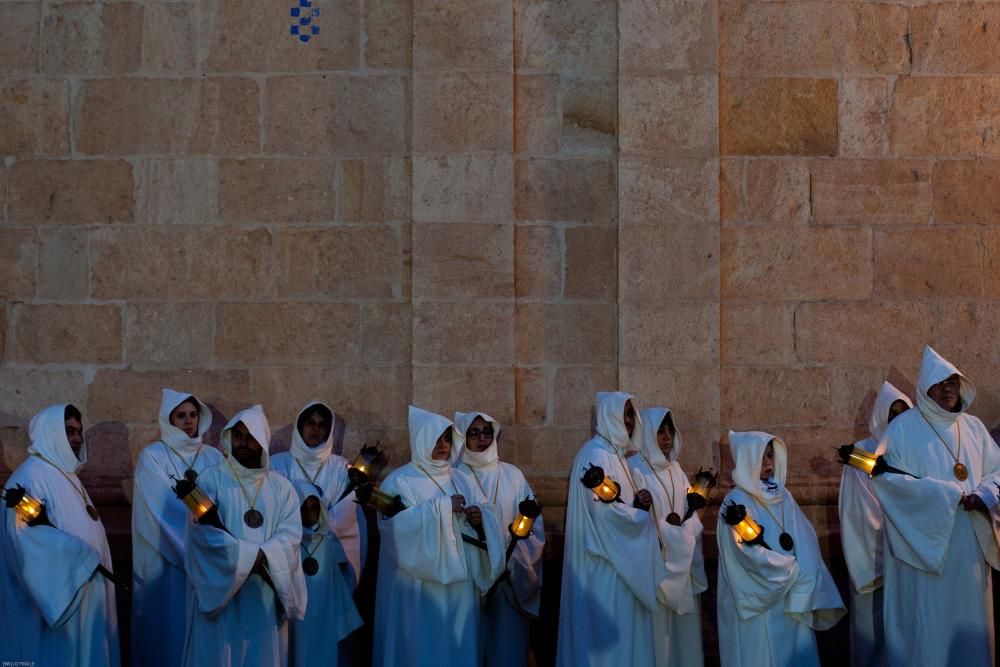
<point x="57" y="610"/>
<point x="235" y="618"/>
<point x="613" y="568"/>
<point x="938" y="598"/>
<point x="159" y="519"/>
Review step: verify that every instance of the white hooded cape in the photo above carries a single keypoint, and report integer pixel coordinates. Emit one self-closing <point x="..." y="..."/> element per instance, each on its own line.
<point x="235" y="618"/>
<point x="677" y="624"/>
<point x="507" y="618"/>
<point x="159" y="518"/>
<point x="938" y="599"/>
<point x="57" y="610"/>
<point x="613" y="572"/>
<point x="861" y="536"/>
<point x="331" y="615"/>
<point x="770" y="600"/>
<point x="427" y="605"/>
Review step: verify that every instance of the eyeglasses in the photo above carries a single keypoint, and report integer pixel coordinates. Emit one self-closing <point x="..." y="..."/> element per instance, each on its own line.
<point x="474" y="433"/>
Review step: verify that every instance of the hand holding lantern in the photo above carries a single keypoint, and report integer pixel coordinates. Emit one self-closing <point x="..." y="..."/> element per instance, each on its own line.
<point x="749" y="530"/>
<point x="365" y="470"/>
<point x="699" y="493"/>
<point x="204" y="510"/>
<point x="26" y="506"/>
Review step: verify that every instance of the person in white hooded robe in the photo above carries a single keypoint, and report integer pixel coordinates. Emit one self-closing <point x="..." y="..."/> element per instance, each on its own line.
<point x="614" y="577"/>
<point x="770" y="600"/>
<point x="57" y="600"/>
<point x="676" y="624"/>
<point x="245" y="581"/>
<point x="506" y="622"/>
<point x="861" y="536"/>
<point x="311" y="460"/>
<point x="940" y="525"/>
<point x="427" y="605"/>
<point x="159" y="519"/>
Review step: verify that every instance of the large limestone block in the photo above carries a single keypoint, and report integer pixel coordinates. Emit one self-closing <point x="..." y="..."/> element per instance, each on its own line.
<point x="71" y="192"/>
<point x="63" y="333"/>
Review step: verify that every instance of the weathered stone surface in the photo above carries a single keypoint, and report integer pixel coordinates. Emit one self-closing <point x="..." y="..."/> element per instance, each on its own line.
<point x="591" y="266"/>
<point x="462" y="34"/>
<point x="760" y="333"/>
<point x="290" y="333"/>
<point x="853" y="388"/>
<point x="692" y="394"/>
<point x="566" y="333"/>
<point x="955" y="38"/>
<point x="531" y="396"/>
<point x="169" y="335"/>
<point x="19" y="37"/>
<point x="575" y="390"/>
<point x="133" y="396"/>
<point x="967" y="191"/>
<point x="928" y="261"/>
<point x="548" y="451"/>
<point x="945" y="116"/>
<point x="669" y="115"/>
<point x="125" y="116"/>
<point x="445" y="389"/>
<point x="171" y="35"/>
<point x="276" y="190"/>
<point x="969" y="337"/>
<point x="864" y="117"/>
<point x="662" y="191"/>
<point x="565" y="191"/>
<point x="756" y="398"/>
<point x="537" y="261"/>
<point x="562" y="35"/>
<point x="861" y="333"/>
<point x="777" y="191"/>
<point x="797" y="263"/>
<point x="63" y="264"/>
<point x="374" y="190"/>
<point x="777" y="116"/>
<point x="3" y="347"/>
<point x="180" y="263"/>
<point x="18" y="259"/>
<point x="338" y="262"/>
<point x="25" y="391"/>
<point x="65" y="333"/>
<point x="386" y="333"/>
<point x="464" y="332"/>
<point x="34" y="114"/>
<point x="732" y="189"/>
<point x="537" y="119"/>
<point x="991" y="263"/>
<point x="463" y="111"/>
<point x="667" y="35"/>
<point x="589" y="117"/>
<point x="388" y="33"/>
<point x="827" y="39"/>
<point x="344" y="115"/>
<point x="70" y="191"/>
<point x="871" y="191"/>
<point x="463" y="188"/>
<point x="664" y="262"/>
<point x="250" y="36"/>
<point x="670" y="334"/>
<point x="92" y="38"/>
<point x="176" y="192"/>
<point x="463" y="260"/>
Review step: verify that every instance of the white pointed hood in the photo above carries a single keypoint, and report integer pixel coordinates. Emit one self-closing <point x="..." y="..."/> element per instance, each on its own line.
<point x="651" y="420"/>
<point x="879" y="420"/>
<point x="171" y="435"/>
<point x="425" y="428"/>
<point x="933" y="369"/>
<point x="463" y="420"/>
<point x="312" y="457"/>
<point x="256" y="422"/>
<point x="47" y="431"/>
<point x="611" y="421"/>
<point x="747" y="448"/>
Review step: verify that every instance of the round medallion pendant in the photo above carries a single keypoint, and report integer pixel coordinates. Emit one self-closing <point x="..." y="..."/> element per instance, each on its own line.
<point x="674" y="519"/>
<point x="310" y="566"/>
<point x="253" y="518"/>
<point x="786" y="541"/>
<point x="92" y="511"/>
<point x="961" y="472"/>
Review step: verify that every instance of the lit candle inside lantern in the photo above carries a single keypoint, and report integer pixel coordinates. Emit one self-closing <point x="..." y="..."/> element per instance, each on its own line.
<point x="856" y="457"/>
<point x="527" y="511"/>
<point x="201" y="506"/>
<point x="26" y="506"/>
<point x="748" y="530"/>
<point x="367" y="466"/>
<point x="606" y="489"/>
<point x="704" y="484"/>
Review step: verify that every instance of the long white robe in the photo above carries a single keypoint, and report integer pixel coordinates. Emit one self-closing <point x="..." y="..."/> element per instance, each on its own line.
<point x="332" y="614"/>
<point x="676" y="624"/>
<point x="427" y="607"/>
<point x="235" y="618"/>
<point x="938" y="597"/>
<point x="506" y="619"/>
<point x="612" y="562"/>
<point x="159" y="519"/>
<point x="861" y="522"/>
<point x="57" y="610"/>
<point x="770" y="600"/>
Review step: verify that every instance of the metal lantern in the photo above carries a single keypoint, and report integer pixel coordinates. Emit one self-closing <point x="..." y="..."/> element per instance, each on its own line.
<point x="26" y="506"/>
<point x="699" y="493"/>
<point x="748" y="530"/>
<point x="201" y="506"/>
<point x="606" y="489"/>
<point x="866" y="462"/>
<point x="367" y="467"/>
<point x="380" y="501"/>
<point x="527" y="511"/>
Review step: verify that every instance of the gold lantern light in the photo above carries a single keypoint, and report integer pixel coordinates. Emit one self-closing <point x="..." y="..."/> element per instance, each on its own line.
<point x="705" y="482"/>
<point x="866" y="462"/>
<point x="527" y="511"/>
<point x="748" y="530"/>
<point x="365" y="470"/>
<point x="26" y="506"/>
<point x="606" y="489"/>
<point x="380" y="501"/>
<point x="197" y="501"/>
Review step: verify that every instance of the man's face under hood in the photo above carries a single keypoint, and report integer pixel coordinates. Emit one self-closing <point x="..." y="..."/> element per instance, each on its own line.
<point x="246" y="449"/>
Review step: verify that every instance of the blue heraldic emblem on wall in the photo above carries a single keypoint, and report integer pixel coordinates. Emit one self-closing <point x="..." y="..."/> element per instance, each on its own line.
<point x="305" y="20"/>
